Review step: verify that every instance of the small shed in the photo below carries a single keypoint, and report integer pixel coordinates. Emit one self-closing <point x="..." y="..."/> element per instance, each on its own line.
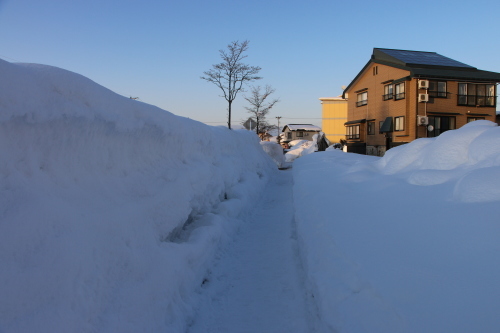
<point x="300" y="132"/>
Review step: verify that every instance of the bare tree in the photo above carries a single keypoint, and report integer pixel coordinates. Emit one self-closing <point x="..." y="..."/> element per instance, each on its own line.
<point x="231" y="74"/>
<point x="260" y="107"/>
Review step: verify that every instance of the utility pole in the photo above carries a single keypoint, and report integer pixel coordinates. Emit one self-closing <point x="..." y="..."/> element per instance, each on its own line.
<point x="278" y="137"/>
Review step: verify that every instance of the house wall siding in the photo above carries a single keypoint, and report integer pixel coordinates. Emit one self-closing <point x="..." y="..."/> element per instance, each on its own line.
<point x="334" y="115"/>
<point x="377" y="109"/>
<point x="308" y="135"/>
<point x="450" y="105"/>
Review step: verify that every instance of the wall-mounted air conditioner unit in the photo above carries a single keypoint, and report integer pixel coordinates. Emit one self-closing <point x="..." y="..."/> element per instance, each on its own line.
<point x="423" y="97"/>
<point x="422" y="120"/>
<point x="423" y="84"/>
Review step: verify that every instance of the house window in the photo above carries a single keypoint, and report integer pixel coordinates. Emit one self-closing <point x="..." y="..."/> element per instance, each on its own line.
<point x="440" y="125"/>
<point x="380" y="123"/>
<point x="306" y="134"/>
<point x="289" y="135"/>
<point x="399" y="123"/>
<point x="375" y="70"/>
<point x="300" y="134"/>
<point x="352" y="132"/>
<point x="437" y="89"/>
<point x="388" y="92"/>
<point x="471" y="119"/>
<point x="370" y="127"/>
<point x="400" y="90"/>
<point x="471" y="94"/>
<point x="362" y="99"/>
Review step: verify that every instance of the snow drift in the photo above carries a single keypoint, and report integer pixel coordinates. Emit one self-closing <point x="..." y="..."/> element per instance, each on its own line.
<point x="110" y="208"/>
<point x="407" y="242"/>
<point x="469" y="156"/>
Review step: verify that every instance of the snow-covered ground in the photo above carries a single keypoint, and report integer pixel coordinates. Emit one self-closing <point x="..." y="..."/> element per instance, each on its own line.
<point x="257" y="283"/>
<point x="116" y="216"/>
<point x="405" y="243"/>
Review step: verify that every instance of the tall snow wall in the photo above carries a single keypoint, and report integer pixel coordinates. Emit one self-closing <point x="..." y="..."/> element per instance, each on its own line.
<point x="111" y="209"/>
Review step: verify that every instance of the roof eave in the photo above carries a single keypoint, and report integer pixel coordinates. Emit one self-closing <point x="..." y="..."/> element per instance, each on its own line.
<point x="356" y="78"/>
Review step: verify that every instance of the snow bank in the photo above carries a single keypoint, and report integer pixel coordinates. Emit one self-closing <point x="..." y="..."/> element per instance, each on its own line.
<point x="275" y="151"/>
<point x="111" y="208"/>
<point x="460" y="156"/>
<point x="407" y="242"/>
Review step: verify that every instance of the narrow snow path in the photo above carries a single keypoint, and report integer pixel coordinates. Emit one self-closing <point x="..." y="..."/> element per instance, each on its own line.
<point x="256" y="284"/>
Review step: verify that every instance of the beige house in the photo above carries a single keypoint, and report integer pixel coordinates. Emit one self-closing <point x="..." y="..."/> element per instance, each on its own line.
<point x="334" y="115"/>
<point x="299" y="132"/>
<point x="400" y="95"/>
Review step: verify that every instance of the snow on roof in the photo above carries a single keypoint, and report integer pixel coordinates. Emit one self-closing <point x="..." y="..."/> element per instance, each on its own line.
<point x="338" y="98"/>
<point x="302" y="127"/>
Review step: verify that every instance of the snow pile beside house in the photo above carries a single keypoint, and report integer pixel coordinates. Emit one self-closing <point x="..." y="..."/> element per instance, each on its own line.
<point x="300" y="148"/>
<point x="469" y="156"/>
<point x="407" y="242"/>
<point x="111" y="208"/>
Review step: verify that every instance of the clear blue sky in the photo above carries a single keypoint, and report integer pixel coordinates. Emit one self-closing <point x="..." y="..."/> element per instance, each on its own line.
<point x="157" y="50"/>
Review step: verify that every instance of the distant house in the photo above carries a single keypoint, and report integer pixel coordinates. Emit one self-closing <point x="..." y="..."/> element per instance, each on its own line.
<point x="400" y="95"/>
<point x="264" y="136"/>
<point x="299" y="132"/>
<point x="334" y="115"/>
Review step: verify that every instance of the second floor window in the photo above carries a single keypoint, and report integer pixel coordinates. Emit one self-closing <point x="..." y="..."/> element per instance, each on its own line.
<point x="388" y="92"/>
<point x="362" y="99"/>
<point x="437" y="89"/>
<point x="400" y="90"/>
<point x="471" y="94"/>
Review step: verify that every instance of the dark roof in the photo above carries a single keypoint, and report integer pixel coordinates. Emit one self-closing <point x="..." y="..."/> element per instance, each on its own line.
<point x="475" y="75"/>
<point x="427" y="65"/>
<point x="417" y="59"/>
<point x="359" y="121"/>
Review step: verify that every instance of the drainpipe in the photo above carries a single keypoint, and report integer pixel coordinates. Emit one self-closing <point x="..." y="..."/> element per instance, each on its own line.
<point x="416" y="110"/>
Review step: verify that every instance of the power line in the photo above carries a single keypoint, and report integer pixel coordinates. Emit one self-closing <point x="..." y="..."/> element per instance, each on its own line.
<point x="300" y="118"/>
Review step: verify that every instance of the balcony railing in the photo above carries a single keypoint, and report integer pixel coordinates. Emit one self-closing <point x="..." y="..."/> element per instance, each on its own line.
<point x="438" y="94"/>
<point x="387" y="97"/>
<point x="476" y="100"/>
<point x="400" y="96"/>
<point x="361" y="103"/>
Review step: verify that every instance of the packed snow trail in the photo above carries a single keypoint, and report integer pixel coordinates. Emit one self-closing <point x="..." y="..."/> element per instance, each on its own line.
<point x="256" y="284"/>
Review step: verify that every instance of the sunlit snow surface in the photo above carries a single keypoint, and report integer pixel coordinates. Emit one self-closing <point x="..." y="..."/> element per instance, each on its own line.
<point x="405" y="243"/>
<point x="110" y="208"/>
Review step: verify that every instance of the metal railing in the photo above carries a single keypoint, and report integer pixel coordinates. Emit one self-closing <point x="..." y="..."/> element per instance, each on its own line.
<point x="476" y="100"/>
<point x="399" y="96"/>
<point x="388" y="96"/>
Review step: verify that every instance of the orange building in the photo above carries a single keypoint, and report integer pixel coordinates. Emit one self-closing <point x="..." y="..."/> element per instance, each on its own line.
<point x="334" y="115"/>
<point x="402" y="95"/>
